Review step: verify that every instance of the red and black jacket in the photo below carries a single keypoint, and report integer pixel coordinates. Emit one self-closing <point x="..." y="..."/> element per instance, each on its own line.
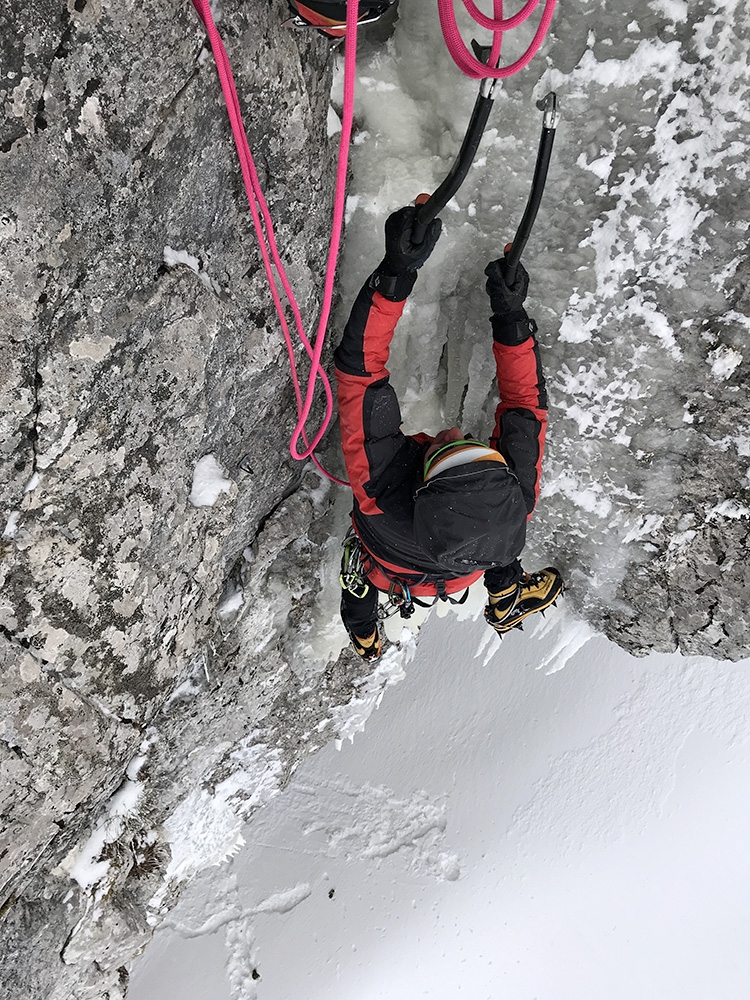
<point x="385" y="466"/>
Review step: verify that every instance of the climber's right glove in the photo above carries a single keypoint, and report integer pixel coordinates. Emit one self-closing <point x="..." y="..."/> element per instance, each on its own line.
<point x="510" y="321"/>
<point x="401" y="253"/>
<point x="397" y="272"/>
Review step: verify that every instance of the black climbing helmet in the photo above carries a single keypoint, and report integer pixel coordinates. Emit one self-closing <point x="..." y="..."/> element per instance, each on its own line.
<point x="329" y="16"/>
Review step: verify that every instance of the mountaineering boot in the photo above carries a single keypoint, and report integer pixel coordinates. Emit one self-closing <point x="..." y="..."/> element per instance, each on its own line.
<point x="534" y="592"/>
<point x="368" y="648"/>
<point x="502" y="603"/>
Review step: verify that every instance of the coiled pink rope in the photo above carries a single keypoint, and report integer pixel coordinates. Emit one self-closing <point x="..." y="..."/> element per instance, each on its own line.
<point x="267" y="240"/>
<point x="464" y="58"/>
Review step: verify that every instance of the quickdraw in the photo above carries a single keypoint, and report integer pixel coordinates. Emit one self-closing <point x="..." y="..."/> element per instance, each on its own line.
<point x="353" y="576"/>
<point x="399" y="599"/>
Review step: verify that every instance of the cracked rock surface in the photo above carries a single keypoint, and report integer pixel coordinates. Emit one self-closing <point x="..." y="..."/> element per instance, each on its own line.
<point x="143" y="714"/>
<point x="136" y="338"/>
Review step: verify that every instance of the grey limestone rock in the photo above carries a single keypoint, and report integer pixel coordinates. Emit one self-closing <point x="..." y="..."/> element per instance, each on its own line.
<point x="137" y="337"/>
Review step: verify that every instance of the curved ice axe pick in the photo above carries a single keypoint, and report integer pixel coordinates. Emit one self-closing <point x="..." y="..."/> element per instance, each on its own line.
<point x="430" y="208"/>
<point x="550" y="121"/>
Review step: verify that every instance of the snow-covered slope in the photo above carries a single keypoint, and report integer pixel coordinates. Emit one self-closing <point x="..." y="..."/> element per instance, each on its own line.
<point x="544" y="817"/>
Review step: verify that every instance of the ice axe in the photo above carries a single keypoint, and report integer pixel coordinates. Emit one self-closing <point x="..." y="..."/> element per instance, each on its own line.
<point x="430" y="206"/>
<point x="433" y="205"/>
<point x="550" y="120"/>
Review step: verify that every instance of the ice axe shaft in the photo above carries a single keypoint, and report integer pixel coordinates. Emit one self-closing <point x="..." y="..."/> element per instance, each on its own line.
<point x="437" y="201"/>
<point x="550" y="121"/>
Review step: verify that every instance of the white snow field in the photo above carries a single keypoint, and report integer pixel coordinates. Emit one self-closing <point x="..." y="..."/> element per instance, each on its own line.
<point x="503" y="828"/>
<point x="548" y="817"/>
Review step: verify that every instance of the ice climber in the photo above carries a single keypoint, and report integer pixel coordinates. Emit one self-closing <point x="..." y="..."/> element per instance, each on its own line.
<point x="432" y="514"/>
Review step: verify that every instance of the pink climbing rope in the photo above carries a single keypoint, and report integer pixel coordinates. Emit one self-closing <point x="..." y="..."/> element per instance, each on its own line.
<point x="462" y="56"/>
<point x="266" y="238"/>
<point x="261" y="216"/>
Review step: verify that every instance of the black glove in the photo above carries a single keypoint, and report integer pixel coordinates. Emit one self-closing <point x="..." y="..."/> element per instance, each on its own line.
<point x="504" y="297"/>
<point x="401" y="254"/>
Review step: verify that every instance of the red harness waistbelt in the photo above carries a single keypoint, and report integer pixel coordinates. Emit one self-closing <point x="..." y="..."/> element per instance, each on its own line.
<point x="383" y="575"/>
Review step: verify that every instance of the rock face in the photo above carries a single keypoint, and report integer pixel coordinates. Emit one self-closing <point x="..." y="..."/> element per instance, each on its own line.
<point x="138" y="338"/>
<point x="649" y="376"/>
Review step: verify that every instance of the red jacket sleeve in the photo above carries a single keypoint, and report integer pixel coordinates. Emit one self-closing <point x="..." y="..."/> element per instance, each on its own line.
<point x="369" y="414"/>
<point x="521" y="415"/>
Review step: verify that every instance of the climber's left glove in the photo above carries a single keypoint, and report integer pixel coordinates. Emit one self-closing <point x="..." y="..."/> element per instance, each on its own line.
<point x="506" y="296"/>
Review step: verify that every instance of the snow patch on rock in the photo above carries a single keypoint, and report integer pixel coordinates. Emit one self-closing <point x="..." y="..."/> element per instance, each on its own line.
<point x="209" y="482"/>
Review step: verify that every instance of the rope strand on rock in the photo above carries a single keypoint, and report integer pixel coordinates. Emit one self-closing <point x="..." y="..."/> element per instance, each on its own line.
<point x="266" y="238"/>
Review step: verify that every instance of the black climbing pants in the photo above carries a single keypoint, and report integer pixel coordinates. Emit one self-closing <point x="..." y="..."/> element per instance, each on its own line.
<point x="501" y="577"/>
<point x="360" y="614"/>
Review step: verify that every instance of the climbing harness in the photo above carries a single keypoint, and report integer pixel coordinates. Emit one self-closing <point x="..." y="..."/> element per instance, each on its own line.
<point x="356" y="565"/>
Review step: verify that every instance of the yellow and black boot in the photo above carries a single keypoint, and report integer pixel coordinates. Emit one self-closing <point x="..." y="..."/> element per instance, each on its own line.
<point x="368" y="647"/>
<point x="534" y="592"/>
